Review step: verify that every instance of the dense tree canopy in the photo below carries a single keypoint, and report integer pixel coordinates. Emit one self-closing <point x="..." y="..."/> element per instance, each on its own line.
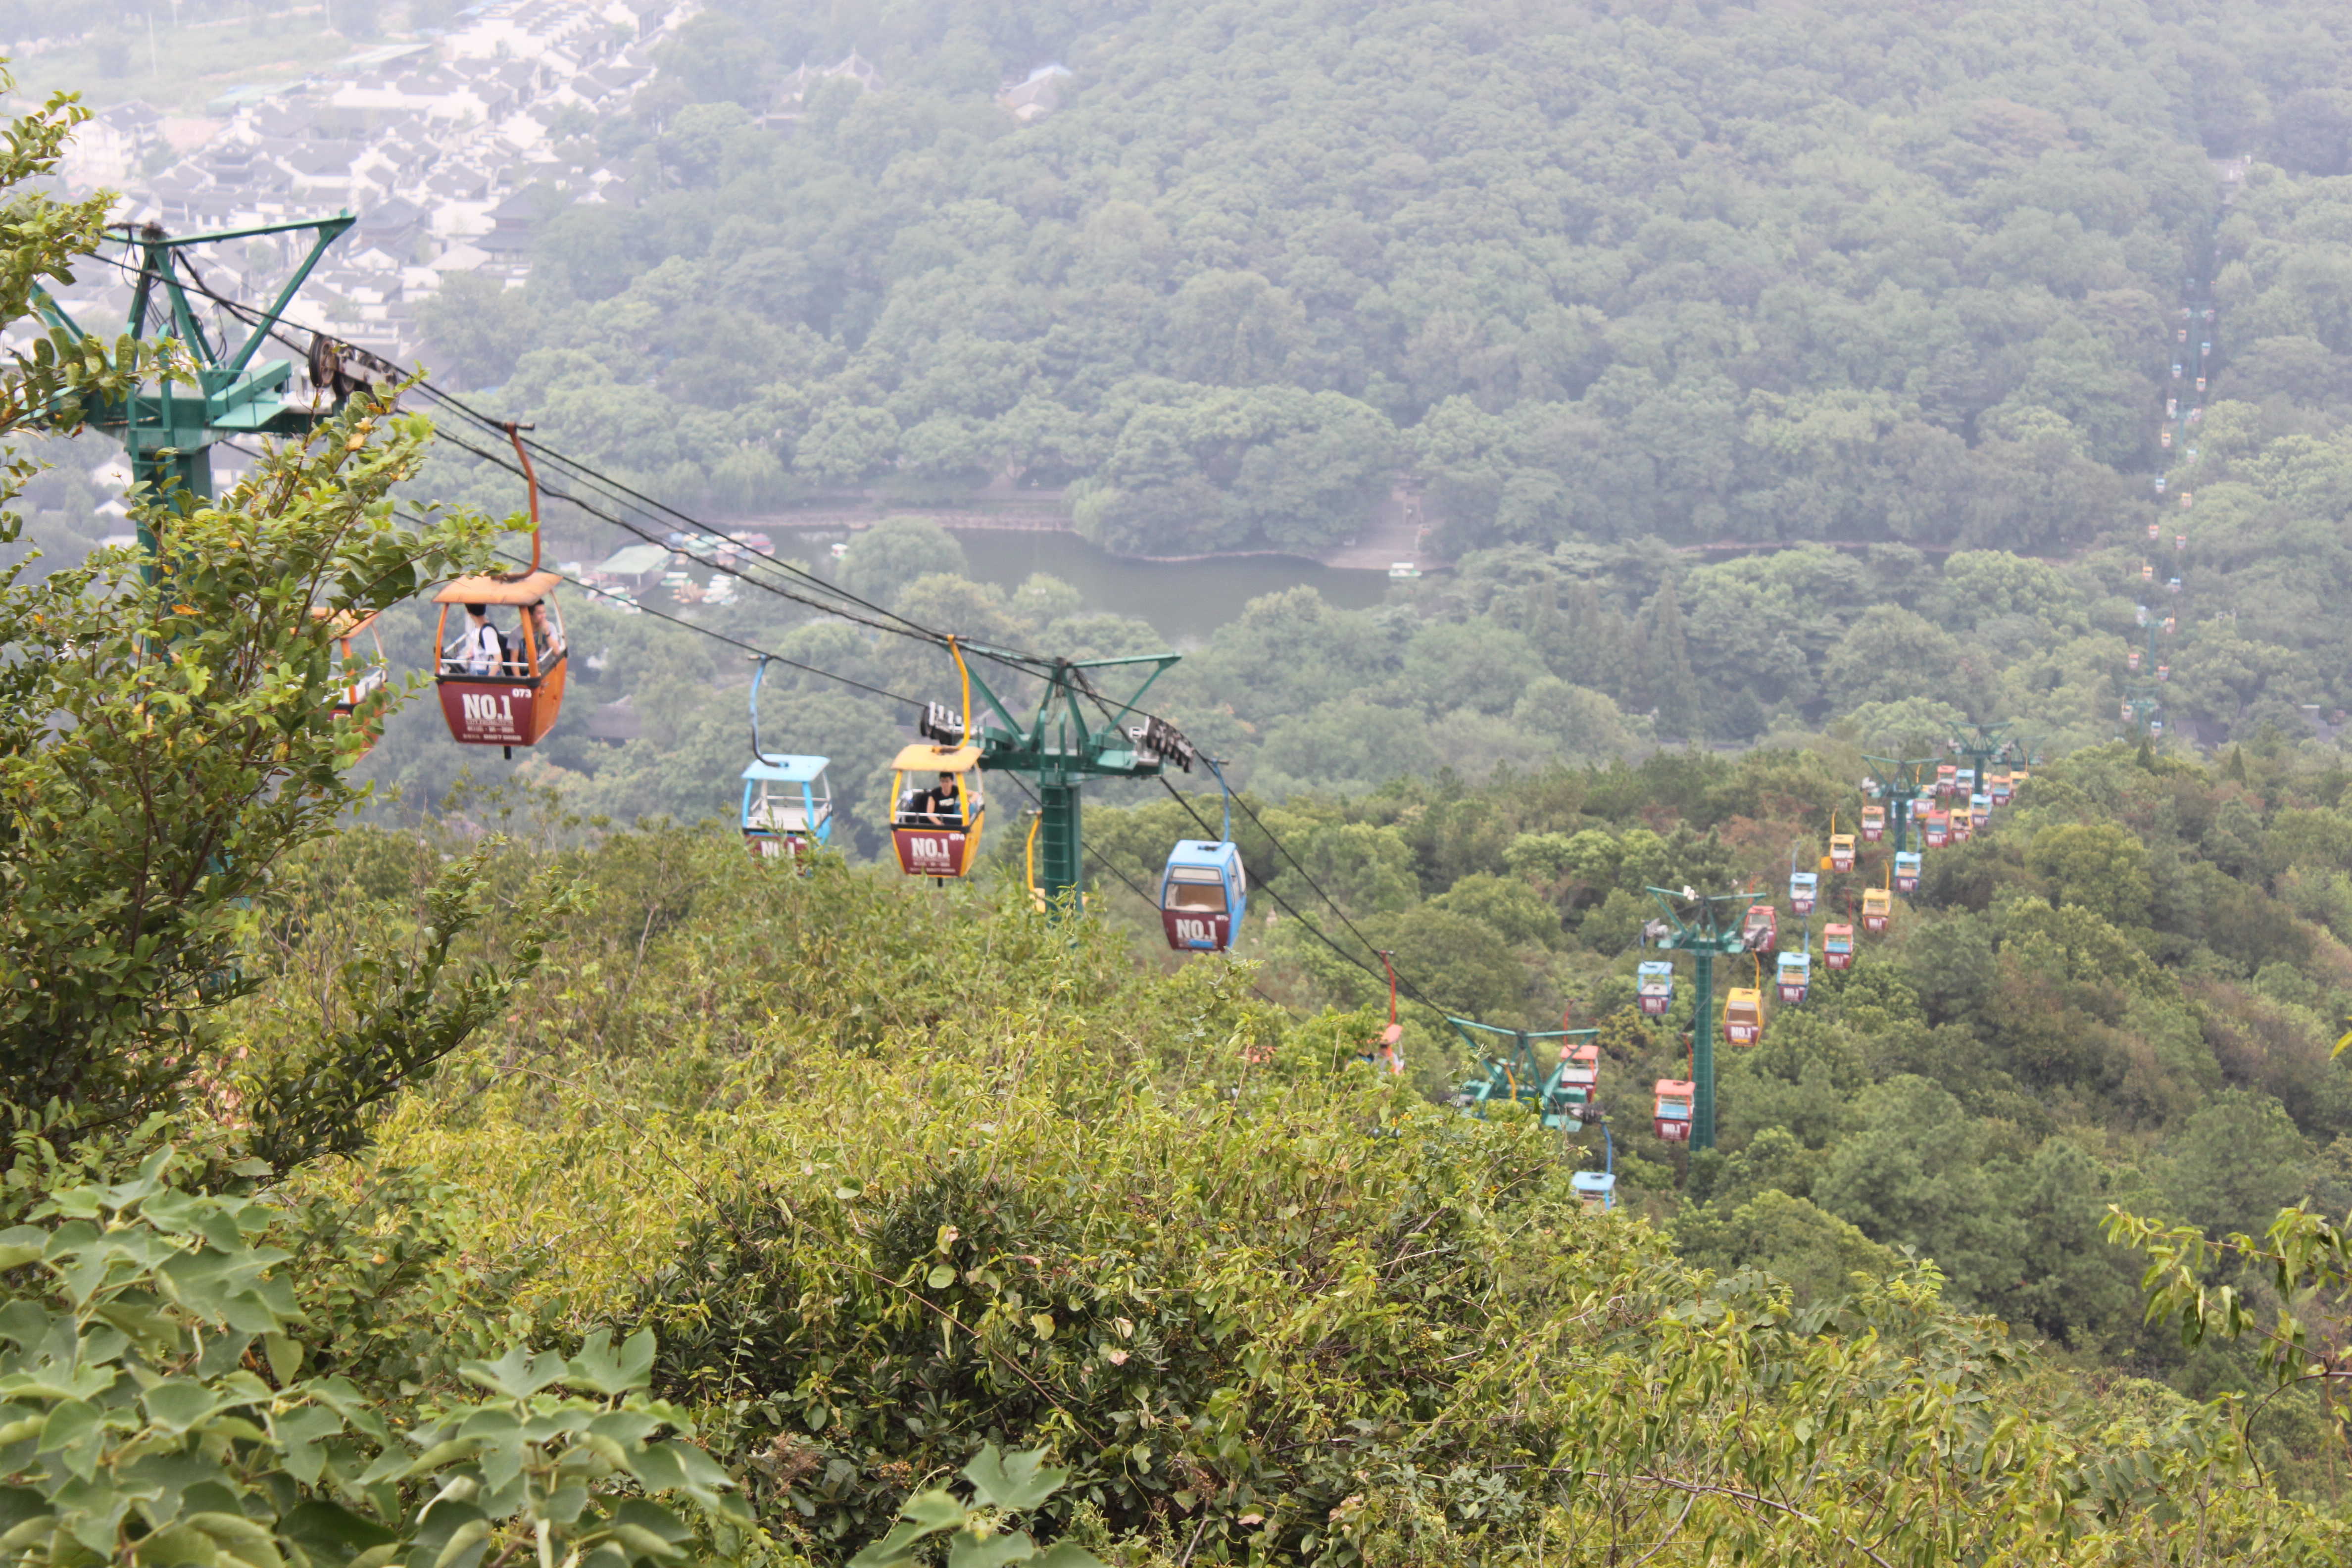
<point x="1820" y="272"/>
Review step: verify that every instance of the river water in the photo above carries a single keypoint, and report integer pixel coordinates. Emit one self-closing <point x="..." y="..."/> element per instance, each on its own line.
<point x="1185" y="601"/>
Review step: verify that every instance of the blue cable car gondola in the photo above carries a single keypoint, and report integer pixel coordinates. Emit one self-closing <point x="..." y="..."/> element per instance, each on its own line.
<point x="1906" y="870"/>
<point x="1796" y="975"/>
<point x="1803" y="888"/>
<point x="787" y="800"/>
<point x="1204" y="889"/>
<point x="1203" y="896"/>
<point x="787" y="806"/>
<point x="1654" y="982"/>
<point x="1596" y="1190"/>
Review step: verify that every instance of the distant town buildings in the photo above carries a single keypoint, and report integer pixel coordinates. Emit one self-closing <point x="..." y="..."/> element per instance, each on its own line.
<point x="445" y="148"/>
<point x="435" y="145"/>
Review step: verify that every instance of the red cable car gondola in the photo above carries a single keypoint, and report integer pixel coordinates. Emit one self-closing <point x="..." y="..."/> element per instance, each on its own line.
<point x="492" y="692"/>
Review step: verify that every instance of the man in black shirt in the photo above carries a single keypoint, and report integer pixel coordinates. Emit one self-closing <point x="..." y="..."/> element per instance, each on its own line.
<point x="939" y="806"/>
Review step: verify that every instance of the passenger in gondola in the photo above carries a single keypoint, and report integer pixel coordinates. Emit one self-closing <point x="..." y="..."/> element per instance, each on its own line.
<point x="545" y="632"/>
<point x="939" y="806"/>
<point x="480" y="648"/>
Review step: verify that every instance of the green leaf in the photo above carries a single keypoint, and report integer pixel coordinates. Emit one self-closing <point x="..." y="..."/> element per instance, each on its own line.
<point x="1016" y="1484"/>
<point x="516" y="1374"/>
<point x="926" y="1514"/>
<point x="941" y="1277"/>
<point x="21" y="1245"/>
<point x="464" y="1544"/>
<point x="640" y="1513"/>
<point x="1067" y="1555"/>
<point x="285" y="1355"/>
<point x="71" y="1423"/>
<point x="968" y="1551"/>
<point x="681" y="1466"/>
<point x="597" y="1368"/>
<point x="299" y="1433"/>
<point x="179" y="1404"/>
<point x="332" y="1533"/>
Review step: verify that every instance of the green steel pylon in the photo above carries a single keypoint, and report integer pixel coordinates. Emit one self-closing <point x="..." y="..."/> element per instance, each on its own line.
<point x="1061" y="747"/>
<point x="1899" y="780"/>
<point x="1706" y="935"/>
<point x="168" y="428"/>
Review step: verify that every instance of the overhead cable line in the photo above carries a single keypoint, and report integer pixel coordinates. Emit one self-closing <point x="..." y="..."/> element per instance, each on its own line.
<point x="1031" y="663"/>
<point x="904" y="626"/>
<point x="751" y="648"/>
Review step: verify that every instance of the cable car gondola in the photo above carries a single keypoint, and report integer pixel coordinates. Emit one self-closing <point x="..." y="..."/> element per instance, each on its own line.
<point x="2002" y="787"/>
<point x="1877" y="905"/>
<point x="935" y="830"/>
<point x="1980" y="809"/>
<point x="1203" y="896"/>
<point x="493" y="700"/>
<point x="1873" y="824"/>
<point x="1840" y="851"/>
<point x="492" y="693"/>
<point x="1743" y="1015"/>
<point x="1384" y="1052"/>
<point x="1906" y="870"/>
<point x="1935" y="828"/>
<point x="1944" y="773"/>
<point x="1795" y="975"/>
<point x="1654" y="985"/>
<point x="787" y="800"/>
<point x="1837" y="945"/>
<point x="1573" y="1081"/>
<point x="787" y="806"/>
<point x="1803" y="888"/>
<point x="1671" y="1119"/>
<point x="1760" y="929"/>
<point x="1203" y="890"/>
<point x="363" y="680"/>
<point x="1596" y="1190"/>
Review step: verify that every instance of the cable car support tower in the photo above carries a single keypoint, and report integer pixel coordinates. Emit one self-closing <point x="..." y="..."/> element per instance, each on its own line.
<point x="1060" y="749"/>
<point x="1899" y="781"/>
<point x="168" y="428"/>
<point x="1709" y="931"/>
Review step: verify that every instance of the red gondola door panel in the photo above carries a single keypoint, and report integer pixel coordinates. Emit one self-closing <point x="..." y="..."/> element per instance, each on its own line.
<point x="489" y="713"/>
<point x="930" y="851"/>
<point x="1201" y="930"/>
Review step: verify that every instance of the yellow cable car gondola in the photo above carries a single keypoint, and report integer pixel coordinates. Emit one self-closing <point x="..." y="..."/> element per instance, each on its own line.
<point x="937" y="807"/>
<point x="1878" y="906"/>
<point x="1840" y="851"/>
<point x="1743" y="1015"/>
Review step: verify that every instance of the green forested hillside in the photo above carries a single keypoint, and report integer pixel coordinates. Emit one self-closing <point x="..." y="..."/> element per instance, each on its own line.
<point x="1523" y="657"/>
<point x="1602" y="271"/>
<point x="491" y="1183"/>
<point x="889" y="1171"/>
<point x="2124" y="994"/>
